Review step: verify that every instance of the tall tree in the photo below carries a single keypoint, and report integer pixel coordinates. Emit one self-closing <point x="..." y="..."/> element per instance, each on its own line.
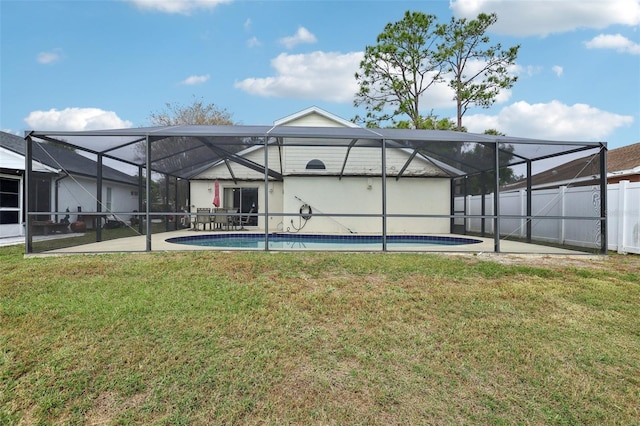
<point x="430" y="122"/>
<point x="398" y="70"/>
<point x="196" y="113"/>
<point x="479" y="71"/>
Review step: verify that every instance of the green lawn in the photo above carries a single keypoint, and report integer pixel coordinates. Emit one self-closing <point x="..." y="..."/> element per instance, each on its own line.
<point x="317" y="338"/>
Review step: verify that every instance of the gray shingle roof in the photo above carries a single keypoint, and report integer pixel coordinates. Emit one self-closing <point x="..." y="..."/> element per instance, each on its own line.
<point x="64" y="159"/>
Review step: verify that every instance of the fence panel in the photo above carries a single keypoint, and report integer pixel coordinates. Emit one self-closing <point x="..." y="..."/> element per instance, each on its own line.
<point x="623" y="215"/>
<point x="623" y="227"/>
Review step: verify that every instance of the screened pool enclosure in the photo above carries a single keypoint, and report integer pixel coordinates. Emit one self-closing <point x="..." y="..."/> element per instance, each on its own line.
<point x="514" y="194"/>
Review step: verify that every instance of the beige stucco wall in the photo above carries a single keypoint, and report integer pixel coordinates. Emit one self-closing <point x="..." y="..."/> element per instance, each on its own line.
<point x="351" y="195"/>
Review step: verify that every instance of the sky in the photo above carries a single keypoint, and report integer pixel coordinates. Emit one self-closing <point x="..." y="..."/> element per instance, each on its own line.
<point x="87" y="64"/>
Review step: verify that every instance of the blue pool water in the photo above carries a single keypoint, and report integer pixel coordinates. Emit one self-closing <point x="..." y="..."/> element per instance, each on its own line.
<point x="320" y="242"/>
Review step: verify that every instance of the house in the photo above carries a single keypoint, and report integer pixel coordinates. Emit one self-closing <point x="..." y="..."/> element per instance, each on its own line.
<point x="63" y="180"/>
<point x="338" y="181"/>
<point x="624" y="164"/>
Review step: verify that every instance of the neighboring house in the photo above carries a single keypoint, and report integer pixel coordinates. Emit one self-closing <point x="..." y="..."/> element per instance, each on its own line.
<point x="63" y="179"/>
<point x="622" y="164"/>
<point x="337" y="181"/>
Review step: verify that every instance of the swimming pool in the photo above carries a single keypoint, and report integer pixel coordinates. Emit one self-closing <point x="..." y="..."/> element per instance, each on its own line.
<point x="321" y="242"/>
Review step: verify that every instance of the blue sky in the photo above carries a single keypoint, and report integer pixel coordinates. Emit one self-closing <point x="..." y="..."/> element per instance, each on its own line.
<point x="78" y="65"/>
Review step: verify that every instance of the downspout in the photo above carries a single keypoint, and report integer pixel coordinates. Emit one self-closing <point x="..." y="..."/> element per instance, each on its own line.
<point x="452" y="204"/>
<point x="140" y="203"/>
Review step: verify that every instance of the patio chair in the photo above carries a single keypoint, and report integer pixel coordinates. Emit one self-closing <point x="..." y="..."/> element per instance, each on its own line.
<point x="220" y="221"/>
<point x="203" y="218"/>
<point x="245" y="220"/>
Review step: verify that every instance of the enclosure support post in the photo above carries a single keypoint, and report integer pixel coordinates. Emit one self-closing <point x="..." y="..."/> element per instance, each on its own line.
<point x="28" y="237"/>
<point x="266" y="193"/>
<point x="148" y="193"/>
<point x="384" y="195"/>
<point x="98" y="220"/>
<point x="483" y="202"/>
<point x="496" y="202"/>
<point x="603" y="201"/>
<point x="529" y="200"/>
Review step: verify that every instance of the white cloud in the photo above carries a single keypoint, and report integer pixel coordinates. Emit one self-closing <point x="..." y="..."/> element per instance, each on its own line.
<point x="195" y="79"/>
<point x="316" y="75"/>
<point x="301" y="36"/>
<point x="536" y="17"/>
<point x="50" y="57"/>
<point x="183" y="7"/>
<point x="75" y="119"/>
<point x="553" y="120"/>
<point x="558" y="70"/>
<point x="253" y="42"/>
<point x="529" y="70"/>
<point x="247" y="24"/>
<point x="614" y="41"/>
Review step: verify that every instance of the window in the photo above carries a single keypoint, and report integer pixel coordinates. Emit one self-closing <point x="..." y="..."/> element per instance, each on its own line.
<point x="243" y="200"/>
<point x="9" y="201"/>
<point x="315" y="164"/>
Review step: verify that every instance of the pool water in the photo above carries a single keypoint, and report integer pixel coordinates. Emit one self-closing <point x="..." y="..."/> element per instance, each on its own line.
<point x="320" y="242"/>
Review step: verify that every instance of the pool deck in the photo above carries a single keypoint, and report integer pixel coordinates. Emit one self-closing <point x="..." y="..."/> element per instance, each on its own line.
<point x="159" y="244"/>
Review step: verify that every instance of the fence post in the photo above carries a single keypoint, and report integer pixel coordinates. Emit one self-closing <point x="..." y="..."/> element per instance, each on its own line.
<point x="523" y="212"/>
<point x="562" y="194"/>
<point x="622" y="217"/>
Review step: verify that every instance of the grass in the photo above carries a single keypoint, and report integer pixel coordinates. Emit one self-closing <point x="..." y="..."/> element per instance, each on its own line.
<point x="317" y="338"/>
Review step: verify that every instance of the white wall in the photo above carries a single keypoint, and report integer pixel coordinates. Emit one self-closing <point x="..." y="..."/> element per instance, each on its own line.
<point x="81" y="192"/>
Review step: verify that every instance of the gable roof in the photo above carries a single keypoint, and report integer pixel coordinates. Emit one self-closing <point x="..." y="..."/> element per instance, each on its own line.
<point x="314" y="110"/>
<point x="61" y="159"/>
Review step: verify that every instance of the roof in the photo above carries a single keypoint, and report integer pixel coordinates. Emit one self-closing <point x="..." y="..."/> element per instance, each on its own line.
<point x="624" y="158"/>
<point x="180" y="150"/>
<point x="62" y="159"/>
<point x="183" y="150"/>
<point x="585" y="170"/>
